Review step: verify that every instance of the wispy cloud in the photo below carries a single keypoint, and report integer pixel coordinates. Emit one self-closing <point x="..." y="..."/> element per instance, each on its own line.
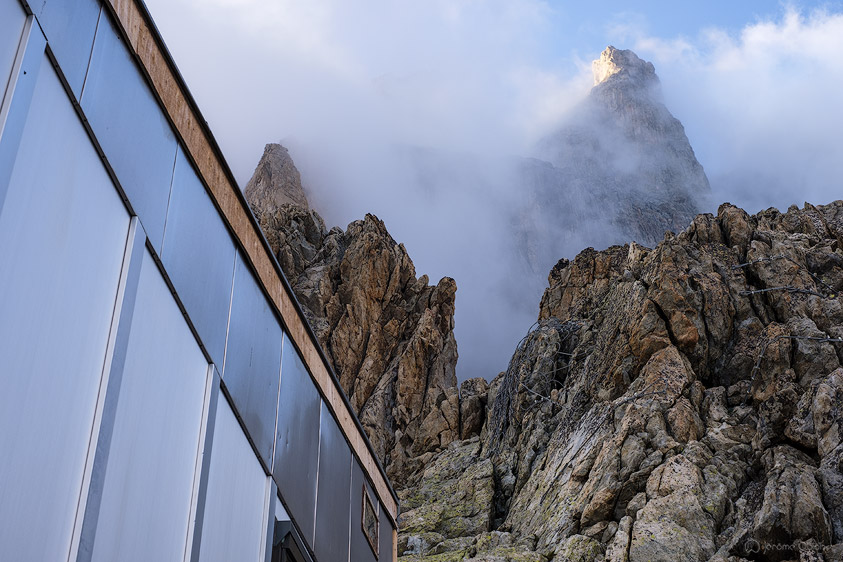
<point x="450" y="73"/>
<point x="344" y="83"/>
<point x="762" y="107"/>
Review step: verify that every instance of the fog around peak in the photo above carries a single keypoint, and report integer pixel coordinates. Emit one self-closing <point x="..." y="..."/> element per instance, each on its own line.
<point x="762" y="108"/>
<point x="421" y="113"/>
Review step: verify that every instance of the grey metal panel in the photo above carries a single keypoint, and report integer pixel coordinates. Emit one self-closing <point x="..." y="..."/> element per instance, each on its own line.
<point x="12" y="18"/>
<point x="198" y="255"/>
<point x="235" y="516"/>
<point x="360" y="549"/>
<point x="385" y="538"/>
<point x="70" y="26"/>
<point x="297" y="440"/>
<point x="129" y="125"/>
<point x="332" y="500"/>
<point x="16" y="103"/>
<point x="63" y="233"/>
<point x="149" y="478"/>
<point x="253" y="359"/>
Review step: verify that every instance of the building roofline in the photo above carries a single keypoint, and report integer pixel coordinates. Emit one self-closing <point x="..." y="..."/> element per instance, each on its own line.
<point x="135" y="21"/>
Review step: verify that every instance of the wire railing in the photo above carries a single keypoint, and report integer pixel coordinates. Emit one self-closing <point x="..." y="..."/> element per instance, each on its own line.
<point x="830" y="293"/>
<point x="548" y="372"/>
<point x="788" y="288"/>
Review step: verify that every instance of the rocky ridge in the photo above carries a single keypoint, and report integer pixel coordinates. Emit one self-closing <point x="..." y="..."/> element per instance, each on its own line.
<point x="619" y="167"/>
<point x="680" y="402"/>
<point x="388" y="334"/>
<point x="675" y="403"/>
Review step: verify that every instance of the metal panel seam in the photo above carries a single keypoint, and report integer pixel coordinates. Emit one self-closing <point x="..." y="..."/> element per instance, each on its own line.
<point x="88" y="525"/>
<point x="318" y="460"/>
<point x="81" y="504"/>
<point x="230" y="305"/>
<point x="203" y="463"/>
<point x="18" y="98"/>
<point x="277" y="405"/>
<point x="270" y="523"/>
<point x="169" y="196"/>
<point x="9" y="89"/>
<point x="90" y="56"/>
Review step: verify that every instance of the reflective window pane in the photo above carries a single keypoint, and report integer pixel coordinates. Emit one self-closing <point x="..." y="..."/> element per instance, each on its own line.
<point x="12" y="18"/>
<point x="361" y="550"/>
<point x="63" y="231"/>
<point x="297" y="443"/>
<point x="146" y="497"/>
<point x="198" y="254"/>
<point x="237" y="486"/>
<point x="133" y="132"/>
<point x="332" y="501"/>
<point x="253" y="359"/>
<point x="70" y="26"/>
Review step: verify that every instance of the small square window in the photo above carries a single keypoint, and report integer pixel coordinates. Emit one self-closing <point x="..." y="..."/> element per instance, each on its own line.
<point x="370" y="521"/>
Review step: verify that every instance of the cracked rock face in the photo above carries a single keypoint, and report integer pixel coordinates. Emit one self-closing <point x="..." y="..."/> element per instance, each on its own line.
<point x="623" y="64"/>
<point x="680" y="402"/>
<point x="276" y="181"/>
<point x="388" y="334"/>
<point x="676" y="403"/>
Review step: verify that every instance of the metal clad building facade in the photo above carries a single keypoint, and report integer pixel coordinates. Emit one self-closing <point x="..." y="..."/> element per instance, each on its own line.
<point x="163" y="397"/>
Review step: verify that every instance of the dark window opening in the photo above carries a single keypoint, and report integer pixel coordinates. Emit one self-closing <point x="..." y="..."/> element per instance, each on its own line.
<point x="370" y="521"/>
<point x="286" y="545"/>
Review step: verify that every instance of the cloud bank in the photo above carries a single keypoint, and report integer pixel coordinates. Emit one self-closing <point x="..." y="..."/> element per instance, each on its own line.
<point x="408" y="110"/>
<point x="762" y="108"/>
<point x="455" y="74"/>
<point x="361" y="92"/>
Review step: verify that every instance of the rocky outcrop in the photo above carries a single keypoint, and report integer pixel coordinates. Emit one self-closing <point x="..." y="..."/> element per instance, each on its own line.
<point x="679" y="402"/>
<point x="276" y="181"/>
<point x="675" y="403"/>
<point x="619" y="167"/>
<point x="388" y="334"/>
<point x="450" y="497"/>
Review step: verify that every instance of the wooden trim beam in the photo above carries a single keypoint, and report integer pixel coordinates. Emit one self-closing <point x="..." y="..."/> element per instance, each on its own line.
<point x="144" y="42"/>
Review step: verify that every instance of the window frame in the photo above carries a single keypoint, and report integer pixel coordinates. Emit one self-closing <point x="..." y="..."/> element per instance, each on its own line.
<point x="373" y="541"/>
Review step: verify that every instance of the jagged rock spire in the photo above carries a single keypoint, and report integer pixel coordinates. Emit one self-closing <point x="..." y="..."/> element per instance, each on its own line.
<point x="276" y="181"/>
<point x="623" y="64"/>
<point x="388" y="334"/>
<point x="621" y="161"/>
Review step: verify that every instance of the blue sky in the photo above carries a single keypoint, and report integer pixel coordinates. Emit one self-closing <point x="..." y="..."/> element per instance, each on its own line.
<point x="578" y="30"/>
<point x="584" y="28"/>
